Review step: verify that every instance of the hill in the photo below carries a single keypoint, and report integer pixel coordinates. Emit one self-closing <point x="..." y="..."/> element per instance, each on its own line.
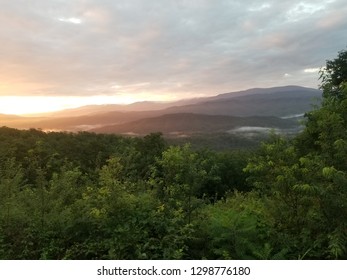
<point x="280" y="101"/>
<point x="188" y="123"/>
<point x="272" y="102"/>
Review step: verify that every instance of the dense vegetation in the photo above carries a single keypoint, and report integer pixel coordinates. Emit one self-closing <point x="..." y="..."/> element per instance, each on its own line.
<point x="95" y="196"/>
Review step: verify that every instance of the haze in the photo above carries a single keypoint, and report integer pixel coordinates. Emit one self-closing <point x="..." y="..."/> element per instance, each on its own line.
<point x="63" y="54"/>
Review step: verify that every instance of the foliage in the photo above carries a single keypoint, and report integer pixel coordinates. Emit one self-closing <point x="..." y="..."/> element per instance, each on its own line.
<point x="303" y="182"/>
<point x="95" y="196"/>
<point x="333" y="75"/>
<point x="121" y="198"/>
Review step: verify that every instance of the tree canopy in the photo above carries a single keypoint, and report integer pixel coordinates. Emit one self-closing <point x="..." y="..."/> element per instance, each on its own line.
<point x="334" y="75"/>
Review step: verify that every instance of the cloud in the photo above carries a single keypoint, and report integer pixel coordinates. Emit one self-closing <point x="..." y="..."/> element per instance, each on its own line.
<point x="164" y="48"/>
<point x="71" y="20"/>
<point x="312" y="70"/>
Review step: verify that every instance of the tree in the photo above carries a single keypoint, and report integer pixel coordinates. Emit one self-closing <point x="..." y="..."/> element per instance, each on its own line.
<point x="333" y="75"/>
<point x="177" y="178"/>
<point x="303" y="182"/>
<point x="237" y="227"/>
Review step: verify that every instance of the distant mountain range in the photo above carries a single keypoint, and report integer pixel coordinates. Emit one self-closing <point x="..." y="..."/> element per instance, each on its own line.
<point x="183" y="124"/>
<point x="276" y="108"/>
<point x="280" y="102"/>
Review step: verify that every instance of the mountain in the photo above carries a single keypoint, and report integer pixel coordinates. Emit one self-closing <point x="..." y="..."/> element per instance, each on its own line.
<point x="244" y="97"/>
<point x="15" y="121"/>
<point x="188" y="123"/>
<point x="100" y="109"/>
<point x="282" y="102"/>
<point x="262" y="91"/>
<point x="5" y="117"/>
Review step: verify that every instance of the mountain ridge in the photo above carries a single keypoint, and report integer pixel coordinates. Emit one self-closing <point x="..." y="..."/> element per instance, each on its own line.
<point x="155" y="106"/>
<point x="190" y="123"/>
<point x="277" y="102"/>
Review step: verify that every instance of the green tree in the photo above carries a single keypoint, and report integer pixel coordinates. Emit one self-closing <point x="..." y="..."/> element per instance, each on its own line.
<point x="303" y="182"/>
<point x="237" y="227"/>
<point x="333" y="75"/>
<point x="177" y="178"/>
<point x="12" y="212"/>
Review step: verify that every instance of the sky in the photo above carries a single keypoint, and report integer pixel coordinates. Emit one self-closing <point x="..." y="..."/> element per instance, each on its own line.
<point x="57" y="54"/>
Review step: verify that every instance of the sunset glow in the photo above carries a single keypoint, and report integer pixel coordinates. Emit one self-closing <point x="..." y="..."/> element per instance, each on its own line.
<point x="63" y="54"/>
<point x="20" y="105"/>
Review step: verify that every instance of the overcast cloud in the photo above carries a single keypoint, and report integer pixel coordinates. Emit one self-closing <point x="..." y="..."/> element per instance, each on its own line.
<point x="164" y="48"/>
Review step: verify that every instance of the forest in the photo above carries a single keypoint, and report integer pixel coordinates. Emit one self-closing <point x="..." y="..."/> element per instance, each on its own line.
<point x="103" y="196"/>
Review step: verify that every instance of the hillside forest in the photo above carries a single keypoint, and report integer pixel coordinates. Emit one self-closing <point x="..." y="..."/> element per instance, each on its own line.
<point x="105" y="196"/>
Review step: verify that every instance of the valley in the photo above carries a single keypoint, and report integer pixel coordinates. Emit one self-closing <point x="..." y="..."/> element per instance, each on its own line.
<point x="248" y="114"/>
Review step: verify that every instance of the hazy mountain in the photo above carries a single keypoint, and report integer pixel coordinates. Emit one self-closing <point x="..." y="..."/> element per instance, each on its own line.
<point x="99" y="109"/>
<point x="15" y="121"/>
<point x="4" y="117"/>
<point x="86" y="122"/>
<point x="244" y="99"/>
<point x="188" y="123"/>
<point x="259" y="91"/>
<point x="279" y="101"/>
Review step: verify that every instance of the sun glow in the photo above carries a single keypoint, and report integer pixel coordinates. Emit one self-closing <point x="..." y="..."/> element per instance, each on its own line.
<point x="21" y="105"/>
